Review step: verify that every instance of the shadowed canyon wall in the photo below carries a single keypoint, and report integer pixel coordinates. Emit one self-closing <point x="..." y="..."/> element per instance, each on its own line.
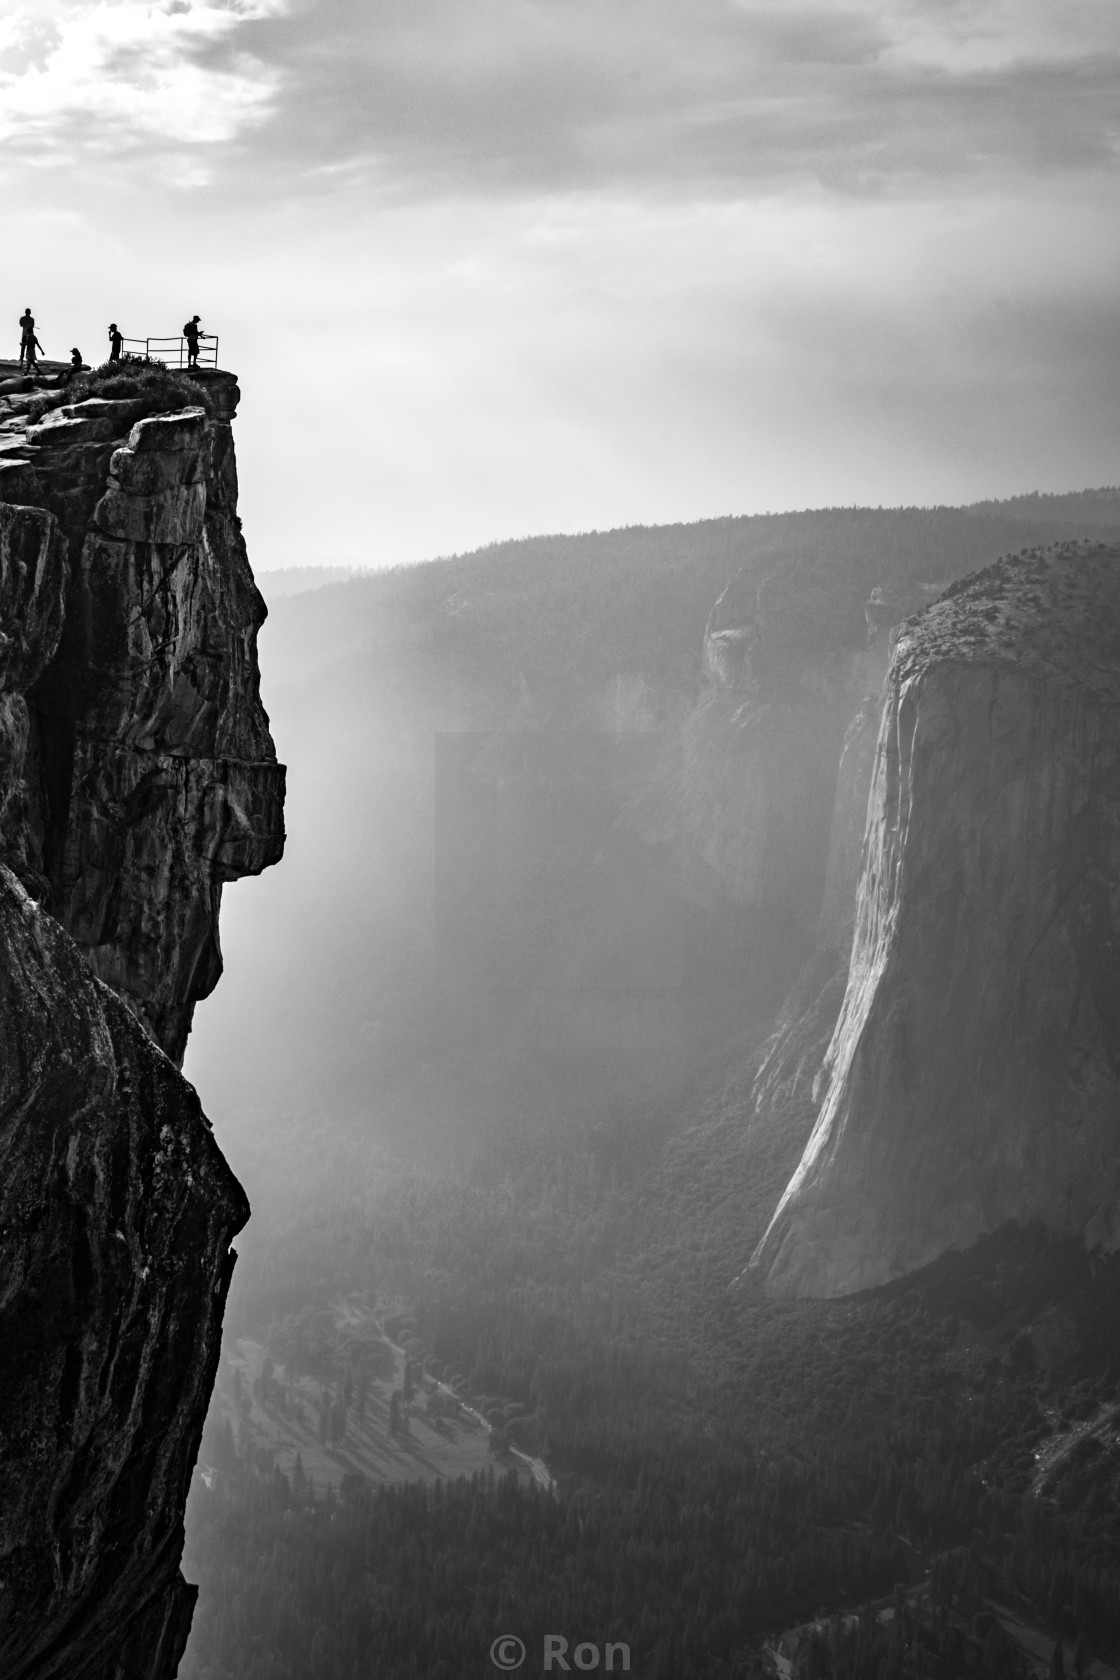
<point x="137" y="775"/>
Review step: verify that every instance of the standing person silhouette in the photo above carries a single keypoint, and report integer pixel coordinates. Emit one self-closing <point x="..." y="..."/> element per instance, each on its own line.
<point x="115" y="342"/>
<point x="28" y="343"/>
<point x="192" y="332"/>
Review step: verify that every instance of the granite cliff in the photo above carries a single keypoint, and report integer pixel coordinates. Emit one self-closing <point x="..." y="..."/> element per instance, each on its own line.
<point x="785" y="1090"/>
<point x="973" y="1077"/>
<point x="137" y="775"/>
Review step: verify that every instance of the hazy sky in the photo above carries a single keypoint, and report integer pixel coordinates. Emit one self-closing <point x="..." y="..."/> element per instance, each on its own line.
<point x="492" y="267"/>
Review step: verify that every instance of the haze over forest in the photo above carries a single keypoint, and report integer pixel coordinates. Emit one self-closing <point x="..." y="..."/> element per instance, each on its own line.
<point x="516" y="1054"/>
<point x="392" y="955"/>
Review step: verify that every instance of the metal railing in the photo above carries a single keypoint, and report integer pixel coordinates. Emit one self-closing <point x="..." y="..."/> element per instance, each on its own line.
<point x="172" y="352"/>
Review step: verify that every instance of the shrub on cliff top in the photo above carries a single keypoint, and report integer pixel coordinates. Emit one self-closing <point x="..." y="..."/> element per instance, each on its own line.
<point x="163" y="390"/>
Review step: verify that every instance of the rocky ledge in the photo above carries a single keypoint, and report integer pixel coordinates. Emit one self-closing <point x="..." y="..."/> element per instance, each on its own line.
<point x="973" y="1078"/>
<point x="137" y="775"/>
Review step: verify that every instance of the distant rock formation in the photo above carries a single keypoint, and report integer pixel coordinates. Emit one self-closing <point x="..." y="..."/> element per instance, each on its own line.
<point x="785" y="667"/>
<point x="786" y="1089"/>
<point x="137" y="775"/>
<point x="973" y="1077"/>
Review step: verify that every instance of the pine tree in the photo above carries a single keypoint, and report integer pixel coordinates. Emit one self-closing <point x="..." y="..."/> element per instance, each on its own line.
<point x="225" y="1451"/>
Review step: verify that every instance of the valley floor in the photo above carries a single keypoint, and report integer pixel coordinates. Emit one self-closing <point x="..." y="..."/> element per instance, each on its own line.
<point x="437" y="1434"/>
<point x="729" y="1468"/>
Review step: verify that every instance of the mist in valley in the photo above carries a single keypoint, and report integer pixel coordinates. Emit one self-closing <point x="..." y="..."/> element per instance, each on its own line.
<point x="550" y="868"/>
<point x="515" y="1055"/>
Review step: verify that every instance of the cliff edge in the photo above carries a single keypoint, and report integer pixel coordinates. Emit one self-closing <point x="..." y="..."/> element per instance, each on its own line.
<point x="137" y="775"/>
<point x="973" y="1077"/>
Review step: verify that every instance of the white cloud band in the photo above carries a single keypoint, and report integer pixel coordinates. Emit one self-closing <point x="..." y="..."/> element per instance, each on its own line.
<point x="113" y="75"/>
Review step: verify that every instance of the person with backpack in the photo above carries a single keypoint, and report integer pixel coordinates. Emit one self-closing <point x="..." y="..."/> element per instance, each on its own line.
<point x="192" y="332"/>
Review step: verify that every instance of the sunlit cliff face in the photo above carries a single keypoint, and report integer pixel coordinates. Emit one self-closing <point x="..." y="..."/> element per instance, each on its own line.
<point x="972" y="1076"/>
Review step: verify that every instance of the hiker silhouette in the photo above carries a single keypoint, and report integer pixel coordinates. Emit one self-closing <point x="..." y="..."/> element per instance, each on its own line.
<point x="28" y="343"/>
<point x="115" y="342"/>
<point x="192" y="332"/>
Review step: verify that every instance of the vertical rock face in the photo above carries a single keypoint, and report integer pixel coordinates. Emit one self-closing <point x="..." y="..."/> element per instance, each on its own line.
<point x="974" y="1074"/>
<point x="786" y="1088"/>
<point x="157" y="778"/>
<point x="793" y="689"/>
<point x="761" y="746"/>
<point x="137" y="775"/>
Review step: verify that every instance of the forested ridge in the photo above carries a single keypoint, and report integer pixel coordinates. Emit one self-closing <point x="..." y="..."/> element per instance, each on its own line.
<point x="560" y="613"/>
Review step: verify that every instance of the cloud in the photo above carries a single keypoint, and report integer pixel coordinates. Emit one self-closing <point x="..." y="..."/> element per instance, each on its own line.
<point x="989" y="34"/>
<point x="552" y="263"/>
<point x="400" y="99"/>
<point x="498" y="96"/>
<point x="107" y="78"/>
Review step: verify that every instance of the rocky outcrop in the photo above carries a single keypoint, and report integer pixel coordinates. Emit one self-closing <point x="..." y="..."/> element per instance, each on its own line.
<point x="137" y="775"/>
<point x="154" y="775"/>
<point x="116" y="1214"/>
<point x="974" y="1074"/>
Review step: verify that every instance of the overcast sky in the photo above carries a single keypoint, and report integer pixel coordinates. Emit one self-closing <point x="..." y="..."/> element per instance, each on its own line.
<point x="493" y="267"/>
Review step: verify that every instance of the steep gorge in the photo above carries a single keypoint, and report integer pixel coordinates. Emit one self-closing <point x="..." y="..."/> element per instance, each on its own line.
<point x="137" y="775"/>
